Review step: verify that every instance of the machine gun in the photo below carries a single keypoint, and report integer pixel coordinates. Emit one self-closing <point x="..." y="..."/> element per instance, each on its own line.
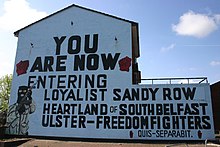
<point x="25" y="99"/>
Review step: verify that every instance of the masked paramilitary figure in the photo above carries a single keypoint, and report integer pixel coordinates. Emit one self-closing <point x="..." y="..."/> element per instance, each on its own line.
<point x="18" y="113"/>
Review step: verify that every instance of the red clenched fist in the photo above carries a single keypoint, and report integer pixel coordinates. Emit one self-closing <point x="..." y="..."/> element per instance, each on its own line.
<point x="125" y="63"/>
<point x="21" y="67"/>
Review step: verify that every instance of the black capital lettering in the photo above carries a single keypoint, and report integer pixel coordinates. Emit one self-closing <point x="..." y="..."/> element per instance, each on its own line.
<point x="37" y="65"/>
<point x="94" y="48"/>
<point x="109" y="61"/>
<point x="60" y="61"/>
<point x="77" y="40"/>
<point x="92" y="62"/>
<point x="58" y="41"/>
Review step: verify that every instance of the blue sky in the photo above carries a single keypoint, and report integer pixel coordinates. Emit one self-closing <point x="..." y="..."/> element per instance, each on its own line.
<point x="177" y="38"/>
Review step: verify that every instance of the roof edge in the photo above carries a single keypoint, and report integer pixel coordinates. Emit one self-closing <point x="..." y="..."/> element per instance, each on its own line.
<point x="16" y="33"/>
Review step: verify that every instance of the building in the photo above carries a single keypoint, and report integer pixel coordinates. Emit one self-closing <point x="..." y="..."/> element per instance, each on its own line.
<point x="215" y="91"/>
<point x="76" y="75"/>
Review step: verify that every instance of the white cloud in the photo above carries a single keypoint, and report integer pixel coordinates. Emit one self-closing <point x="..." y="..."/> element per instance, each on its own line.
<point x="168" y="48"/>
<point x="14" y="15"/>
<point x="196" y="25"/>
<point x="217" y="18"/>
<point x="18" y="14"/>
<point x="215" y="63"/>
